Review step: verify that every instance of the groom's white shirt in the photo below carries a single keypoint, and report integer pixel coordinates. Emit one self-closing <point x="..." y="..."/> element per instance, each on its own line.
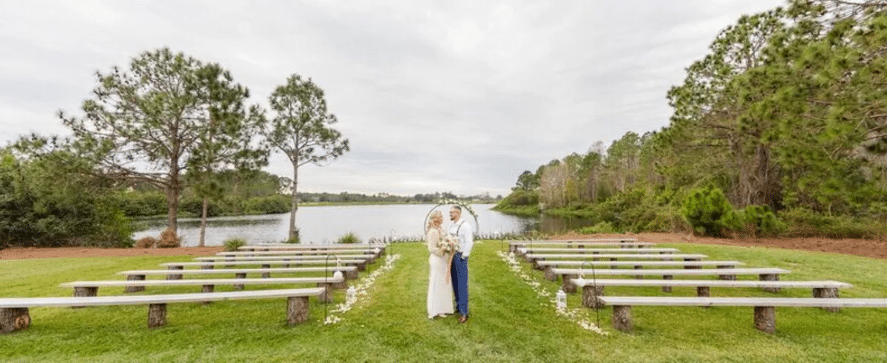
<point x="464" y="234"/>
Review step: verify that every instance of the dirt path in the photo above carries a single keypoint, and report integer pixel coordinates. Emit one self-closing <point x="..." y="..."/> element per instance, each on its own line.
<point x="866" y="248"/>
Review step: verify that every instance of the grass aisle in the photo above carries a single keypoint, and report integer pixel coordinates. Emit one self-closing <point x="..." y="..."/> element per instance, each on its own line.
<point x="510" y="321"/>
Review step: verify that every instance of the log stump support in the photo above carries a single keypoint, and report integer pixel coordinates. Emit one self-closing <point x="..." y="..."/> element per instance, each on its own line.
<point x="207" y="288"/>
<point x="80" y="291"/>
<point x="827" y="293"/>
<point x="590" y="296"/>
<point x="134" y="288"/>
<point x="240" y="275"/>
<point x="266" y="275"/>
<point x="550" y="275"/>
<point x="770" y="277"/>
<point x="174" y="277"/>
<point x="726" y="277"/>
<point x="622" y="319"/>
<point x="297" y="309"/>
<point x="765" y="319"/>
<point x="327" y="295"/>
<point x="157" y="315"/>
<point x="13" y="319"/>
<point x="566" y="285"/>
<point x="638" y="277"/>
<point x="667" y="288"/>
<point x="703" y="291"/>
<point x="351" y="274"/>
<point x="692" y="267"/>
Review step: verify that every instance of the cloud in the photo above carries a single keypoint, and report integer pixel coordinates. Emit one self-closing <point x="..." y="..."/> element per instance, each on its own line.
<point x="457" y="96"/>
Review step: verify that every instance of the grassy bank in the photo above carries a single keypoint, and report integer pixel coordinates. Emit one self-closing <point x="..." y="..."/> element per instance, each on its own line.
<point x="510" y="322"/>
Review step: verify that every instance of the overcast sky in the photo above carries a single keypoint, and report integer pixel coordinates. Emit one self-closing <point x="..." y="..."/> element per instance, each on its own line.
<point x="456" y="96"/>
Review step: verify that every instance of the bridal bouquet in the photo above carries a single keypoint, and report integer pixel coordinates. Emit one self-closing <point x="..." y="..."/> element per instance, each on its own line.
<point x="449" y="244"/>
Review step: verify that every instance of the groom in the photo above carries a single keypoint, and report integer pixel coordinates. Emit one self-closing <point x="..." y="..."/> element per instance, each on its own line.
<point x="459" y="268"/>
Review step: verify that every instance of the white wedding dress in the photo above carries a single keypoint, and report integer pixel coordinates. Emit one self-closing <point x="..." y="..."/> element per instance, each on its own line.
<point x="440" y="299"/>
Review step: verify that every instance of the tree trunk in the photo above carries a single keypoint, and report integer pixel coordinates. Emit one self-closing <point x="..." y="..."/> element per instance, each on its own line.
<point x="203" y="221"/>
<point x="294" y="202"/>
<point x="173" y="202"/>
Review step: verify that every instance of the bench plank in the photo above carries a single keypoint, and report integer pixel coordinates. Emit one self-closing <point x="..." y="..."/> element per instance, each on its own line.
<point x="764" y="274"/>
<point x="638" y="263"/>
<point x="598" y="250"/>
<point x="17" y="308"/>
<point x="291" y="258"/>
<point x="294" y="253"/>
<point x="264" y="262"/>
<point x="631" y="255"/>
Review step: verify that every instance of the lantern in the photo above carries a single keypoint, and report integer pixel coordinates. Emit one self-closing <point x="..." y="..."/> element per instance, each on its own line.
<point x="561" y="299"/>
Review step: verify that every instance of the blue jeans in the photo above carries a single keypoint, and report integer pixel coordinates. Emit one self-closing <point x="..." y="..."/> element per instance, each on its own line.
<point x="459" y="276"/>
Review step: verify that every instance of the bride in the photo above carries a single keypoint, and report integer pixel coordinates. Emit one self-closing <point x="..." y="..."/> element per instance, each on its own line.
<point x="440" y="298"/>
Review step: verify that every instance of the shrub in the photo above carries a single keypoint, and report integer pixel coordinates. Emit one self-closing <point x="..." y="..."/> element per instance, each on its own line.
<point x="146" y="242"/>
<point x="760" y="221"/>
<point x="710" y="213"/>
<point x="601" y="227"/>
<point x="169" y="239"/>
<point x="349" y="237"/>
<point x="803" y="222"/>
<point x="233" y="244"/>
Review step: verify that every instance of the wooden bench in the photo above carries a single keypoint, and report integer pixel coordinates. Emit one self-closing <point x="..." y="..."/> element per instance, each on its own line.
<point x="765" y="274"/>
<point x="763" y="312"/>
<point x="91" y="288"/>
<point x="592" y="290"/>
<point x="331" y="258"/>
<point x="532" y="257"/>
<point x="270" y="247"/>
<point x="14" y="312"/>
<point x="351" y="272"/>
<point x="514" y="246"/>
<point x="374" y="253"/>
<point x="582" y="251"/>
<point x="548" y="265"/>
<point x="360" y="264"/>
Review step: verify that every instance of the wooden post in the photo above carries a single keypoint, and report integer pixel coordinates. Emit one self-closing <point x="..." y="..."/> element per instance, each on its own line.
<point x="86" y="291"/>
<point x="827" y="293"/>
<point x="612" y="266"/>
<point x="687" y="267"/>
<point x="12" y="319"/>
<point x="590" y="296"/>
<point x="327" y="295"/>
<point x="240" y="275"/>
<point x="770" y="277"/>
<point x="726" y="277"/>
<point x="362" y="266"/>
<point x="550" y="275"/>
<point x="703" y="291"/>
<point x="174" y="277"/>
<point x="351" y="274"/>
<point x="134" y="288"/>
<point x="622" y="319"/>
<point x="157" y="315"/>
<point x="639" y="277"/>
<point x="566" y="285"/>
<point x="207" y="288"/>
<point x="764" y="319"/>
<point x="266" y="275"/>
<point x="297" y="309"/>
<point x="206" y="267"/>
<point x="667" y="288"/>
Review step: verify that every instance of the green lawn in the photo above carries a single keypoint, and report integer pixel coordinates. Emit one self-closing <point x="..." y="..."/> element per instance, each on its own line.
<point x="510" y="321"/>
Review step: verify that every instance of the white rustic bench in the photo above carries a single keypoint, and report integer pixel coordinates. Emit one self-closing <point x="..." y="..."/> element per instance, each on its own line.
<point x="592" y="289"/>
<point x="534" y="257"/>
<point x="763" y="311"/>
<point x="765" y="274"/>
<point x="360" y="264"/>
<point x="14" y="312"/>
<point x="514" y="246"/>
<point x="91" y="288"/>
<point x="549" y="265"/>
<point x="351" y="272"/>
<point x="287" y="258"/>
<point x="374" y="253"/>
<point x="270" y="247"/>
<point x="582" y="251"/>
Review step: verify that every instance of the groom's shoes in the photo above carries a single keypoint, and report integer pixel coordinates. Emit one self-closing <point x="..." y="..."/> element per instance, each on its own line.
<point x="463" y="319"/>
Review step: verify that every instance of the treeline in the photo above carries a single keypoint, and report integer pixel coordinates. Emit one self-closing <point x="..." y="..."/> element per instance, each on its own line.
<point x="779" y="130"/>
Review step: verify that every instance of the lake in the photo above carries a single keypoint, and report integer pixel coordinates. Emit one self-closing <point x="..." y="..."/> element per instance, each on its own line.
<point x="326" y="224"/>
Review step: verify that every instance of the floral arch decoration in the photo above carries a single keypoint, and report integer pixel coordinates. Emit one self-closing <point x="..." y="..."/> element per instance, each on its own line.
<point x="465" y="206"/>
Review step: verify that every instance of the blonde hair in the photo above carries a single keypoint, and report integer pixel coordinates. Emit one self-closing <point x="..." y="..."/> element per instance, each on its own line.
<point x="432" y="217"/>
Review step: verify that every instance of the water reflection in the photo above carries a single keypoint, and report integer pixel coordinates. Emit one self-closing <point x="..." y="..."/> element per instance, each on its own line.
<point x="327" y="224"/>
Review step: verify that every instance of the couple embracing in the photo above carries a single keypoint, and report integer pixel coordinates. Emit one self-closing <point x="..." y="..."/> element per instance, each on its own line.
<point x="449" y="264"/>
